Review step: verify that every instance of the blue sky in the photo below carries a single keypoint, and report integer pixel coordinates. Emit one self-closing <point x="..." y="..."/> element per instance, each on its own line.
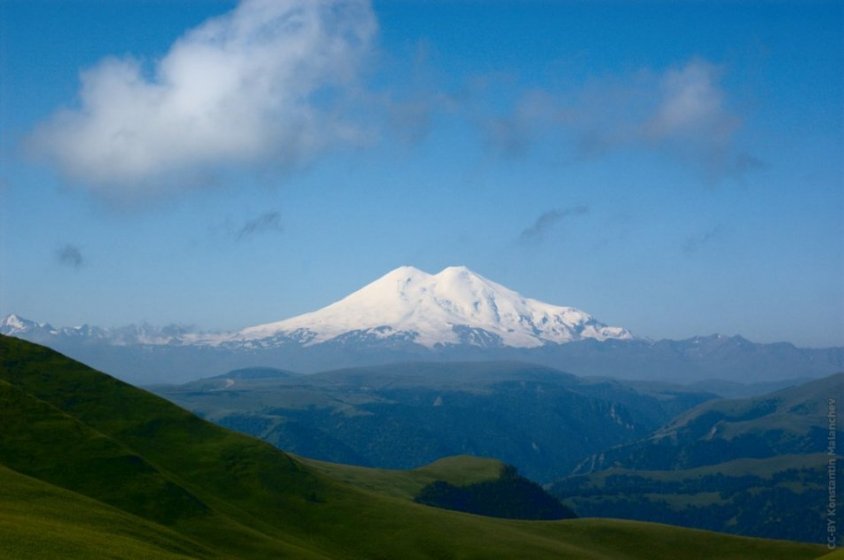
<point x="673" y="168"/>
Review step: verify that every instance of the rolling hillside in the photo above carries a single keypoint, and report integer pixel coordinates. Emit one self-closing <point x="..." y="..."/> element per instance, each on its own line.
<point x="123" y="462"/>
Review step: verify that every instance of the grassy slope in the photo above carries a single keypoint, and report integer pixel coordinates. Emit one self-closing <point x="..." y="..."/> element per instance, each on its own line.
<point x="240" y="497"/>
<point x="77" y="527"/>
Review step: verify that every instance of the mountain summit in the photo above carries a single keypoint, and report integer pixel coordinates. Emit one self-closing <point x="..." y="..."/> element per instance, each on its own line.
<point x="454" y="306"/>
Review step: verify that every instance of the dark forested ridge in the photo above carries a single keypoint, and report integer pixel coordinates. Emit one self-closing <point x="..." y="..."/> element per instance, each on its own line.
<point x="539" y="419"/>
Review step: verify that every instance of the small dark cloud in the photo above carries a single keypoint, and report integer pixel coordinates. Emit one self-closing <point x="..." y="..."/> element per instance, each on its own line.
<point x="265" y="223"/>
<point x="695" y="243"/>
<point x="546" y="221"/>
<point x="513" y="133"/>
<point x="509" y="137"/>
<point x="740" y="165"/>
<point x="70" y="256"/>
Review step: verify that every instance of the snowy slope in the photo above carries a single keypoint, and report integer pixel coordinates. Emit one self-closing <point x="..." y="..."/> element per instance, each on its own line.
<point x="452" y="307"/>
<point x="14" y="324"/>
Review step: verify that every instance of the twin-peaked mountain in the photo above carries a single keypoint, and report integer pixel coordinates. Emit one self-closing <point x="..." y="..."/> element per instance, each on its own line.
<point x="410" y="315"/>
<point x="406" y="305"/>
<point x="453" y="307"/>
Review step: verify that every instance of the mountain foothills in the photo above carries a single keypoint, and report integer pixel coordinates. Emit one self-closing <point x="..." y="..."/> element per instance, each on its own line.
<point x="790" y="421"/>
<point x="756" y="466"/>
<point x="539" y="419"/>
<point x="93" y="467"/>
<point x="410" y="315"/>
<point x="638" y="450"/>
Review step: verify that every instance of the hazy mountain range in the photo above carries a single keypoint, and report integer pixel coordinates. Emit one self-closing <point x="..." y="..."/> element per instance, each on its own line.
<point x="539" y="419"/>
<point x="410" y="315"/>
<point x="640" y="450"/>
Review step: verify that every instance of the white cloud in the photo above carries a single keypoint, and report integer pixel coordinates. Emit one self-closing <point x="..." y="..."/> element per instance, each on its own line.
<point x="691" y="100"/>
<point x="692" y="121"/>
<point x="261" y="84"/>
<point x="680" y="112"/>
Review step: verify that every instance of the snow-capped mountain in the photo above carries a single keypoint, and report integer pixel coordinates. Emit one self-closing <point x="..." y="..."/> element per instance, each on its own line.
<point x="410" y="315"/>
<point x="455" y="306"/>
<point x="14" y="325"/>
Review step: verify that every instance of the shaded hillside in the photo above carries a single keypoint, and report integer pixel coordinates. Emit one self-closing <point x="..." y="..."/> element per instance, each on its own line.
<point x="778" y="497"/>
<point x="789" y="421"/>
<point x="753" y="466"/>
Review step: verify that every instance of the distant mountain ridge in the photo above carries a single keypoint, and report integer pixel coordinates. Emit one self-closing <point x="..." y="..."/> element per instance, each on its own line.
<point x="15" y="325"/>
<point x="541" y="420"/>
<point x="410" y="315"/>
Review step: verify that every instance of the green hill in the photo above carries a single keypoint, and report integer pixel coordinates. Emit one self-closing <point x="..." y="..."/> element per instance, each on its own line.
<point x="97" y="468"/>
<point x="462" y="483"/>
<point x="459" y="470"/>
